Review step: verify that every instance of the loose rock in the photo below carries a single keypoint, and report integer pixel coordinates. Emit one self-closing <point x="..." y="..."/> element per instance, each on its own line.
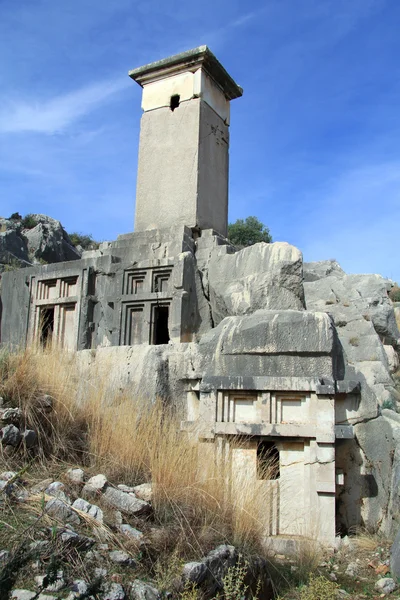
<point x="121" y="558"/>
<point x="29" y="438"/>
<point x="139" y="590"/>
<point x="22" y="595"/>
<point x="10" y="436"/>
<point x="76" y="475"/>
<point x="126" y="503"/>
<point x="95" y="485"/>
<point x="114" y="591"/>
<point x="144" y="491"/>
<point x="91" y="509"/>
<point x="131" y="533"/>
<point x="386" y="585"/>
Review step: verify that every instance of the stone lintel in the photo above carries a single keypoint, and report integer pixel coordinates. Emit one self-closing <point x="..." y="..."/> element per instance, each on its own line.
<point x="286" y="384"/>
<point x="191" y="60"/>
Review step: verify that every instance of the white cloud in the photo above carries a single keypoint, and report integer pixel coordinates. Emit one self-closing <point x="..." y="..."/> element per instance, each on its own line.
<point x="57" y="114"/>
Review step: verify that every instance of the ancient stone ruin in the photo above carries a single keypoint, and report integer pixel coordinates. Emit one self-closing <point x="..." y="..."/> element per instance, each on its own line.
<point x="292" y="361"/>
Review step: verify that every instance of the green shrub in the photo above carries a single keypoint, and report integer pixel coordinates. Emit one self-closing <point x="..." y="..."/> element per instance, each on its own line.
<point x="86" y="241"/>
<point x="319" y="588"/>
<point x="394" y="293"/>
<point x="390" y="404"/>
<point x="29" y="222"/>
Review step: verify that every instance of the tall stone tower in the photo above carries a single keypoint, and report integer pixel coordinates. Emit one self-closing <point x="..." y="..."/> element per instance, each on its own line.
<point x="184" y="142"/>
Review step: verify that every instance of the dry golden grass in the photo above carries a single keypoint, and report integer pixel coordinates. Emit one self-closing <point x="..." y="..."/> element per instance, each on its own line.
<point x="134" y="441"/>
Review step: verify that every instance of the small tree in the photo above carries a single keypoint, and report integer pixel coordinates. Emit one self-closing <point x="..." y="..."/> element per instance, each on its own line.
<point x="249" y="231"/>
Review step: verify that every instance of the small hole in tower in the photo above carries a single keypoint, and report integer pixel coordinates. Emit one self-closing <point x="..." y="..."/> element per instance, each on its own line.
<point x="174" y="103"/>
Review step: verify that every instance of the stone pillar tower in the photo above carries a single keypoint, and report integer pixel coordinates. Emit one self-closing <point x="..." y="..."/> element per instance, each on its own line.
<point x="184" y="142"/>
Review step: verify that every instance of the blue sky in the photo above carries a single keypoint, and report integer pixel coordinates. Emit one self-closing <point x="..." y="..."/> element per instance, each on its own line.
<point x="315" y="150"/>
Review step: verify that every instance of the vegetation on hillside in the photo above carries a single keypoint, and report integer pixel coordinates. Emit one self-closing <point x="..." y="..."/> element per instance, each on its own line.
<point x="394" y="293"/>
<point x="86" y="241"/>
<point x="249" y="231"/>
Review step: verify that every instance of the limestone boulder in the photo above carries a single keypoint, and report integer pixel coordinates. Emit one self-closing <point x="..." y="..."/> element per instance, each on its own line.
<point x="349" y="297"/>
<point x="208" y="574"/>
<point x="49" y="242"/>
<point x="263" y="276"/>
<point x="377" y="446"/>
<point x="314" y="271"/>
<point x="139" y="590"/>
<point x="126" y="502"/>
<point x="13" y="248"/>
<point x="285" y="343"/>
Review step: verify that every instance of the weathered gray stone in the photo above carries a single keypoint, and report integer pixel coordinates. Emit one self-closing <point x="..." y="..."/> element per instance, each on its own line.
<point x="78" y="588"/>
<point x="273" y="343"/>
<point x="48" y="241"/>
<point x="195" y="572"/>
<point x="349" y="297"/>
<point x="113" y="591"/>
<point x="13" y="247"/>
<point x="22" y="595"/>
<point x="386" y="585"/>
<point x="29" y="438"/>
<point x="57" y="489"/>
<point x="144" y="491"/>
<point x="60" y="510"/>
<point x="71" y="539"/>
<point x="125" y="488"/>
<point x="10" y="436"/>
<point x="4" y="556"/>
<point x="126" y="503"/>
<point x="91" y="509"/>
<point x="375" y="440"/>
<point x="42" y="582"/>
<point x="139" y="590"/>
<point x="263" y="276"/>
<point x="76" y="475"/>
<point x="131" y="533"/>
<point x="392" y="357"/>
<point x="352" y="569"/>
<point x="94" y="486"/>
<point x="10" y="415"/>
<point x="313" y="271"/>
<point x="121" y="558"/>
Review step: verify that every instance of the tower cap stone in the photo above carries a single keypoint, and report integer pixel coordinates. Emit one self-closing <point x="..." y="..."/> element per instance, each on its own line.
<point x="191" y="60"/>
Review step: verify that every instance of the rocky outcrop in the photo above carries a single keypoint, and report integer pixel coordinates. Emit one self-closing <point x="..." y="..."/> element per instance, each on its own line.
<point x="263" y="276"/>
<point x="35" y="240"/>
<point x="365" y="321"/>
<point x="49" y="242"/>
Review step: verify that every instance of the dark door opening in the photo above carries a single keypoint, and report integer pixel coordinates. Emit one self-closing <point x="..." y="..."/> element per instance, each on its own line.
<point x="267" y="461"/>
<point x="46" y="325"/>
<point x="160" y="325"/>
